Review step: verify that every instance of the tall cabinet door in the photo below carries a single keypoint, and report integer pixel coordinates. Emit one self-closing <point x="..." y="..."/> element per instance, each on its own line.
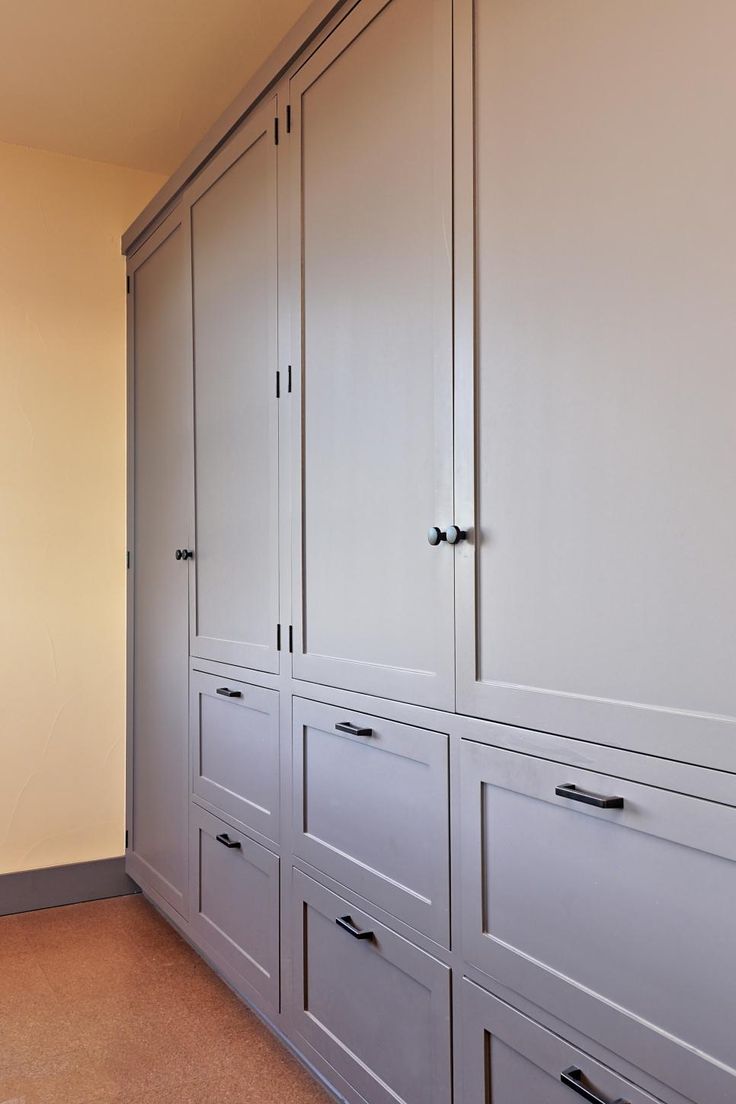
<point x="160" y="456"/>
<point x="235" y="597"/>
<point x="371" y="187"/>
<point x="596" y="596"/>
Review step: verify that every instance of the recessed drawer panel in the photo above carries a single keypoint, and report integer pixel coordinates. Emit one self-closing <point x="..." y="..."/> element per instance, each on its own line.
<point x="371" y="810"/>
<point x="611" y="904"/>
<point x="235" y="905"/>
<point x="509" y="1059"/>
<point x="235" y="750"/>
<point x="369" y="1002"/>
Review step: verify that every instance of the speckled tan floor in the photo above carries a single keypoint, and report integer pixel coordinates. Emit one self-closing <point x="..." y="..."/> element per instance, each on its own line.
<point x="103" y="1003"/>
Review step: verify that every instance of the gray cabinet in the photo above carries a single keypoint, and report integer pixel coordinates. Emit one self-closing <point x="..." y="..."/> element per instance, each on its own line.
<point x="370" y="1003"/>
<point x="235" y="906"/>
<point x="595" y="449"/>
<point x="457" y="268"/>
<point x="160" y="487"/>
<point x="509" y="1059"/>
<point x="617" y="919"/>
<point x="235" y="750"/>
<point x="371" y="204"/>
<point x="234" y="232"/>
<point x="371" y="810"/>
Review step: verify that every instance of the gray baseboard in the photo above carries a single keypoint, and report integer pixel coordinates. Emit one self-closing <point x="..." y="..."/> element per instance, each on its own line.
<point x="29" y="890"/>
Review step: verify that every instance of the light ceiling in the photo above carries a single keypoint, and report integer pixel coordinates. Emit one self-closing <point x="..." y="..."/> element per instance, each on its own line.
<point x="132" y="82"/>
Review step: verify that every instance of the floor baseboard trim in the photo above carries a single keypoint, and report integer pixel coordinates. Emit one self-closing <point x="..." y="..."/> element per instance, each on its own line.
<point x="29" y="890"/>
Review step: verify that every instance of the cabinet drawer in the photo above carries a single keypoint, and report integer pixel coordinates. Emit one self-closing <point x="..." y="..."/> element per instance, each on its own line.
<point x="372" y="1005"/>
<point x="235" y="905"/>
<point x="617" y="919"/>
<point x="509" y="1059"/>
<point x="371" y="810"/>
<point x="235" y="750"/>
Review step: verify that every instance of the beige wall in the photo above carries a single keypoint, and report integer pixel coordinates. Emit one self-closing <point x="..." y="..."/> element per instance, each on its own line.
<point x="62" y="505"/>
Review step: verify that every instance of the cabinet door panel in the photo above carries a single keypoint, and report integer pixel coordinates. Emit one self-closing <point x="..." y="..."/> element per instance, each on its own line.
<point x="582" y="909"/>
<point x="375" y="1007"/>
<point x="370" y="810"/>
<point x="371" y="187"/>
<point x="508" y="1058"/>
<point x="597" y="600"/>
<point x="161" y="523"/>
<point x="235" y="906"/>
<point x="234" y="271"/>
<point x="235" y="750"/>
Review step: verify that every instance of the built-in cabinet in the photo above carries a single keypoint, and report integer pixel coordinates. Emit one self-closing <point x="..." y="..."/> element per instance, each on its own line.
<point x="432" y="744"/>
<point x="232" y="211"/>
<point x="370" y="187"/>
<point x="160" y="545"/>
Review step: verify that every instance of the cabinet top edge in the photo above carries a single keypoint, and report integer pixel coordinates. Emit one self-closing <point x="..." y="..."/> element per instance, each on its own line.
<point x="304" y="31"/>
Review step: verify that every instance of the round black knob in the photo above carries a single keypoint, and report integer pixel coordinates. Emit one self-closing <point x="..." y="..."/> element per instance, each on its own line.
<point x="454" y="534"/>
<point x="435" y="535"/>
<point x="178" y="554"/>
<point x="186" y="554"/>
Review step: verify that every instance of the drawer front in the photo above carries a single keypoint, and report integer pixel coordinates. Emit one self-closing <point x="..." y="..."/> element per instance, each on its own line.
<point x="371" y="810"/>
<point x="617" y="919"/>
<point x="235" y="905"/>
<point x="235" y="750"/>
<point x="509" y="1059"/>
<point x="376" y="1008"/>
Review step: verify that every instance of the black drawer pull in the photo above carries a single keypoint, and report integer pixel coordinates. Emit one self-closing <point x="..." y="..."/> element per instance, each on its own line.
<point x="573" y="1078"/>
<point x="354" y="730"/>
<point x="346" y="923"/>
<point x="572" y="793"/>
<point x="225" y="839"/>
<point x="228" y="693"/>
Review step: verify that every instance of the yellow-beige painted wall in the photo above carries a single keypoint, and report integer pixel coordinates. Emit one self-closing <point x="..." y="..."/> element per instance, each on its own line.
<point x="62" y="505"/>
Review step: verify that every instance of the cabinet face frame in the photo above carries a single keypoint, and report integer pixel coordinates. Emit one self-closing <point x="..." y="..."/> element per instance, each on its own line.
<point x="668" y="732"/>
<point x="258" y="127"/>
<point x="432" y="688"/>
<point x="177" y="898"/>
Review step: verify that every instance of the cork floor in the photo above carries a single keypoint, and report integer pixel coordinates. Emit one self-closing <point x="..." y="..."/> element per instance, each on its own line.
<point x="102" y="1003"/>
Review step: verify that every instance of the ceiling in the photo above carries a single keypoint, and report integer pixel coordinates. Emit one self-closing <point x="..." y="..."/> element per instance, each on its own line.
<point x="132" y="82"/>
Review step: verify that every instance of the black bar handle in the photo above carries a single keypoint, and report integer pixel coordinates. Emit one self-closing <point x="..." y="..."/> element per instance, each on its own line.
<point x="572" y="1077"/>
<point x="572" y="793"/>
<point x="225" y="839"/>
<point x="353" y="729"/>
<point x="346" y="923"/>
<point x="228" y="693"/>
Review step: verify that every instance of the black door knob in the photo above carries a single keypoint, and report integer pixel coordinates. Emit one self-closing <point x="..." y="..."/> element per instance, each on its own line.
<point x="177" y="554"/>
<point x="183" y="554"/>
<point x="435" y="535"/>
<point x="454" y="534"/>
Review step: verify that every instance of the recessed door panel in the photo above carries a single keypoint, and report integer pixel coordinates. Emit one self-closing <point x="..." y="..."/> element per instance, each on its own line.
<point x="370" y="801"/>
<point x="234" y="274"/>
<point x="161" y="526"/>
<point x="582" y="890"/>
<point x="372" y="1004"/>
<point x="371" y="186"/>
<point x="235" y="906"/>
<point x="596" y="599"/>
<point x="235" y="750"/>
